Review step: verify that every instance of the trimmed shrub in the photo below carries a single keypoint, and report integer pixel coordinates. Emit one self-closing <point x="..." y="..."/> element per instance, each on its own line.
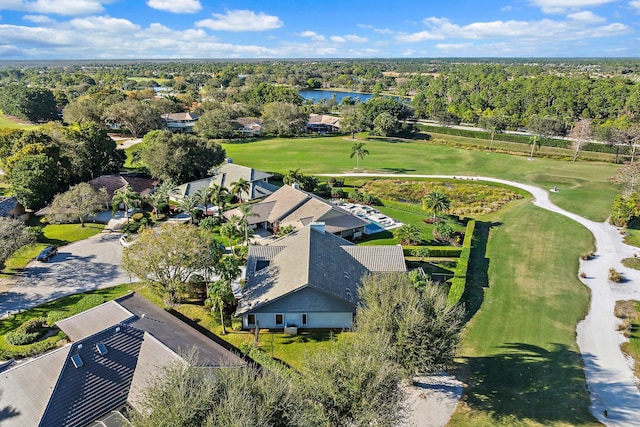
<point x="435" y="251"/>
<point x="27" y="333"/>
<point x="459" y="281"/>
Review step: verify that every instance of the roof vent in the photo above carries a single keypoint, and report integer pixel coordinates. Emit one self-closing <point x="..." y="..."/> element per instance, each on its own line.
<point x="77" y="360"/>
<point x="346" y="275"/>
<point x="295" y="185"/>
<point x="102" y="349"/>
<point x="79" y="346"/>
<point x="117" y="328"/>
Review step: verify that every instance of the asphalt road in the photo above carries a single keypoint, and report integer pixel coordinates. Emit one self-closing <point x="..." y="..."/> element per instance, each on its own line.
<point x="81" y="266"/>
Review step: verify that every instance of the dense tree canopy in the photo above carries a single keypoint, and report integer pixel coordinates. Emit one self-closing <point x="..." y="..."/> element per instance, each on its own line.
<point x="35" y="179"/>
<point x="28" y="103"/>
<point x="13" y="235"/>
<point x="180" y="157"/>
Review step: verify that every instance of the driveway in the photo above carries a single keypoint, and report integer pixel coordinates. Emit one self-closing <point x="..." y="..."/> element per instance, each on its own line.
<point x="81" y="266"/>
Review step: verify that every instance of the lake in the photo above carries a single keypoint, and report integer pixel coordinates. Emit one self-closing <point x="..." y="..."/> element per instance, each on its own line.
<point x="317" y="95"/>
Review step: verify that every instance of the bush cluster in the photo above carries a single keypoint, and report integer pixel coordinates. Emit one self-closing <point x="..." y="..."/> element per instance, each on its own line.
<point x="435" y="251"/>
<point x="27" y="333"/>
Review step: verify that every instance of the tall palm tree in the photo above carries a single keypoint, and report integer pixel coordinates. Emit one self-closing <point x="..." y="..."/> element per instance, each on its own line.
<point x="218" y="196"/>
<point x="203" y="196"/>
<point x="436" y="202"/>
<point x="246" y="211"/>
<point x="231" y="229"/>
<point x="220" y="292"/>
<point x="358" y="150"/>
<point x="240" y="186"/>
<point x="534" y="141"/>
<point x="127" y="197"/>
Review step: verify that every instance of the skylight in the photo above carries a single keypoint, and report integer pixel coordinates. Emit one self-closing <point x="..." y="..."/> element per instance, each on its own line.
<point x="77" y="360"/>
<point x="102" y="349"/>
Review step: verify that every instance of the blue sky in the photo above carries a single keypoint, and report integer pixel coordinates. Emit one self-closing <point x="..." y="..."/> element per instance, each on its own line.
<point x="120" y="29"/>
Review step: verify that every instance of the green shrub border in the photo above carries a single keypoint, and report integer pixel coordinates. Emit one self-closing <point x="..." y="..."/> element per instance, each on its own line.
<point x="435" y="251"/>
<point x="459" y="281"/>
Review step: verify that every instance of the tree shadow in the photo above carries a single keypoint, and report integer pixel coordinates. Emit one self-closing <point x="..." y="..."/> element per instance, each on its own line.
<point x="398" y="170"/>
<point x="478" y="279"/>
<point x="529" y="382"/>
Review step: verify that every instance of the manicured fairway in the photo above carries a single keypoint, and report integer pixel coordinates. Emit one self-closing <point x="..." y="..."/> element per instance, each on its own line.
<point x="8" y="123"/>
<point x="577" y="182"/>
<point x="519" y="353"/>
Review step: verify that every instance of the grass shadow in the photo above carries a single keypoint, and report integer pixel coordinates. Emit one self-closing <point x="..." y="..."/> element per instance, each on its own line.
<point x="478" y="280"/>
<point x="527" y="382"/>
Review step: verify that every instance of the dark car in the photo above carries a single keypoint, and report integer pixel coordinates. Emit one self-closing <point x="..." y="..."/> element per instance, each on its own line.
<point x="47" y="253"/>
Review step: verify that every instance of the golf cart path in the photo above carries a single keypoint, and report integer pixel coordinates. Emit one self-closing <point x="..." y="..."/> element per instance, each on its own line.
<point x="609" y="374"/>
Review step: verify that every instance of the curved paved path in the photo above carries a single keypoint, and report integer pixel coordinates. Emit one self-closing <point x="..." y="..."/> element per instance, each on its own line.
<point x="609" y="374"/>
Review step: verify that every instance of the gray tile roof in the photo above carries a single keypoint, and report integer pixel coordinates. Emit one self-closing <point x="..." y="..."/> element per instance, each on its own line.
<point x="101" y="384"/>
<point x="225" y="175"/>
<point x="94" y="320"/>
<point x="51" y="391"/>
<point x="7" y="205"/>
<point x="311" y="257"/>
<point x="290" y="206"/>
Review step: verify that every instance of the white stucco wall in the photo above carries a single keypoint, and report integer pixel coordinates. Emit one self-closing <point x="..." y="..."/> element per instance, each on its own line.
<point x="314" y="320"/>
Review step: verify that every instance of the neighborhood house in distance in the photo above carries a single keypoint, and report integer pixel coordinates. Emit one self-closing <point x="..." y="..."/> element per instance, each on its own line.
<point x="309" y="279"/>
<point x="225" y="175"/>
<point x="117" y="348"/>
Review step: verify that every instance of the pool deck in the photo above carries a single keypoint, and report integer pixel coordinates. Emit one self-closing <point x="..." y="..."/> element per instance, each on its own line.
<point x="370" y="214"/>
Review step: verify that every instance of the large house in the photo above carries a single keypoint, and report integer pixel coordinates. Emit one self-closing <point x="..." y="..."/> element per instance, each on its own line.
<point x="117" y="348"/>
<point x="249" y="126"/>
<point x="290" y="206"/>
<point x="180" y="122"/>
<point x="225" y="175"/>
<point x="323" y="123"/>
<point x="309" y="279"/>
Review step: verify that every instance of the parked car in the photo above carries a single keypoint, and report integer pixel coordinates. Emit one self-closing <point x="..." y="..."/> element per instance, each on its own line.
<point x="47" y="253"/>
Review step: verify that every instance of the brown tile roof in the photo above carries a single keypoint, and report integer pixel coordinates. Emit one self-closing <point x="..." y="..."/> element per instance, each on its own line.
<point x="111" y="183"/>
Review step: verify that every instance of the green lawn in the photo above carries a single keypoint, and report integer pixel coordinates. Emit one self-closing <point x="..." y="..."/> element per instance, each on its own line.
<point x="576" y="182"/>
<point x="54" y="234"/>
<point x="519" y="355"/>
<point x="8" y="123"/>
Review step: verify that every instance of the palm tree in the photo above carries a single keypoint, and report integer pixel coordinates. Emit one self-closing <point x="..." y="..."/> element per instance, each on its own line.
<point x="220" y="292"/>
<point x="218" y="196"/>
<point x="358" y="150"/>
<point x="159" y="195"/>
<point x="188" y="204"/>
<point x="246" y="211"/>
<point x="127" y="197"/>
<point x="436" y="202"/>
<point x="231" y="229"/>
<point x="408" y="234"/>
<point x="240" y="186"/>
<point x="203" y="196"/>
<point x="534" y="141"/>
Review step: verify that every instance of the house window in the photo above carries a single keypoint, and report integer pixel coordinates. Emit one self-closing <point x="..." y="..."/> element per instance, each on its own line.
<point x="251" y="319"/>
<point x="279" y="320"/>
<point x="304" y="319"/>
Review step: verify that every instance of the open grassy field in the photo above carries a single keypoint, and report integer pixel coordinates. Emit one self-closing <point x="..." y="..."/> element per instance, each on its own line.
<point x="577" y="182"/>
<point x="519" y="355"/>
<point x="6" y="122"/>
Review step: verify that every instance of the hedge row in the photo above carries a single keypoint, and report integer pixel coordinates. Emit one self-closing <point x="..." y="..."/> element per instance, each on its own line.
<point x="27" y="333"/>
<point x="522" y="139"/>
<point x="459" y="281"/>
<point x="435" y="251"/>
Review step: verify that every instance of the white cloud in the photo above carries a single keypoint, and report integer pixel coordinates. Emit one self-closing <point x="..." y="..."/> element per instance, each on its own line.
<point x="38" y="19"/>
<point x="355" y="39"/>
<point x="507" y="8"/>
<point x="453" y="46"/>
<point x="580" y="26"/>
<point x="241" y="20"/>
<point x="419" y="37"/>
<point x="377" y="30"/>
<point x="104" y="24"/>
<point x="349" y="38"/>
<point x="635" y="4"/>
<point x="586" y="16"/>
<point x="59" y="7"/>
<point x="176" y="6"/>
<point x="312" y="35"/>
<point x="561" y="6"/>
